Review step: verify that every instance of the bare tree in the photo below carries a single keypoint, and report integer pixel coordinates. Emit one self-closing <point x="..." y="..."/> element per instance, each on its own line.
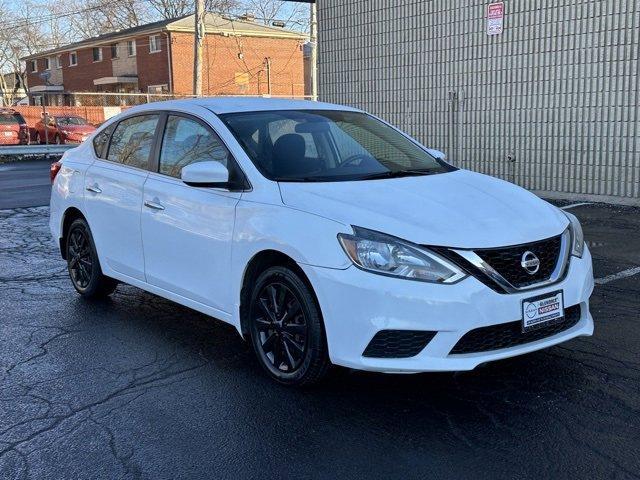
<point x="177" y="8"/>
<point x="96" y="17"/>
<point x="295" y="15"/>
<point x="22" y="34"/>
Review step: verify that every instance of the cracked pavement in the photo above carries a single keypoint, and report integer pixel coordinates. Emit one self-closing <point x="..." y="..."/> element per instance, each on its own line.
<point x="139" y="387"/>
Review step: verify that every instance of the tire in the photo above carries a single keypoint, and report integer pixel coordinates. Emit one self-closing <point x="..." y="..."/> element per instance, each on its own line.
<point x="83" y="264"/>
<point x="57" y="140"/>
<point x="286" y="328"/>
<point x="37" y="139"/>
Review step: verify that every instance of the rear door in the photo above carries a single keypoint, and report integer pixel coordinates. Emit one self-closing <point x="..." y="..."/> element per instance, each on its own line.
<point x="187" y="231"/>
<point x="113" y="196"/>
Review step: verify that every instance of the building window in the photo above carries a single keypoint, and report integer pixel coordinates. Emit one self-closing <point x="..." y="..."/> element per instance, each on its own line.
<point x="158" y="89"/>
<point x="131" y="48"/>
<point x="97" y="54"/>
<point x="154" y="44"/>
<point x="58" y="61"/>
<point x="73" y="59"/>
<point x="33" y="66"/>
<point x="47" y="63"/>
<point x="114" y="50"/>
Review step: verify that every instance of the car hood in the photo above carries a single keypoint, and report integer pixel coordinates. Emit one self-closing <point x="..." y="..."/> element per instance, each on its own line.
<point x="460" y="209"/>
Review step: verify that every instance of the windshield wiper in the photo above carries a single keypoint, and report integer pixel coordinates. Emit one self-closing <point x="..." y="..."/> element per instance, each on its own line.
<point x="396" y="174"/>
<point x="354" y="177"/>
<point x="305" y="179"/>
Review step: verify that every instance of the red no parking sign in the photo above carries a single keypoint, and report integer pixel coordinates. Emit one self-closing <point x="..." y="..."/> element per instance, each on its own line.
<point x="495" y="18"/>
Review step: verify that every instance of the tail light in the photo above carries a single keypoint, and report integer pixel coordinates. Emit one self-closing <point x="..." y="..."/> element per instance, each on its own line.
<point x="53" y="171"/>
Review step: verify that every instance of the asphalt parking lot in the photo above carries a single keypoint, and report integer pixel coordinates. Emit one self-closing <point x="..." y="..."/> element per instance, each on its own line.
<point x="25" y="183"/>
<point x="138" y="387"/>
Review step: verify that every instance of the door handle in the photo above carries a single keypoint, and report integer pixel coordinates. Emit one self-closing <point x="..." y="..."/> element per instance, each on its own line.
<point x="94" y="189"/>
<point x="154" y="205"/>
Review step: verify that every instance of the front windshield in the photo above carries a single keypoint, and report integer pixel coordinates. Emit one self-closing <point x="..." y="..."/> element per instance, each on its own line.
<point x="66" y="121"/>
<point x="327" y="145"/>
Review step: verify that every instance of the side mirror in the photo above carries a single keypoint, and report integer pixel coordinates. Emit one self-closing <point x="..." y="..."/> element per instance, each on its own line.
<point x="436" y="153"/>
<point x="205" y="174"/>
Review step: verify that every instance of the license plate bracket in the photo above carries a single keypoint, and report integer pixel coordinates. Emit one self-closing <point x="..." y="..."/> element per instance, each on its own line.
<point x="542" y="310"/>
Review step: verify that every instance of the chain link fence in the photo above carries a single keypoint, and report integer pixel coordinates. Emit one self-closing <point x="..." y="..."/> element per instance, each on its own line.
<point x="94" y="107"/>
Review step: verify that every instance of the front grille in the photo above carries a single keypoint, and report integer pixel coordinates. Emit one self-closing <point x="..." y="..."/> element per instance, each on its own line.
<point x="398" y="343"/>
<point x="507" y="261"/>
<point x="495" y="337"/>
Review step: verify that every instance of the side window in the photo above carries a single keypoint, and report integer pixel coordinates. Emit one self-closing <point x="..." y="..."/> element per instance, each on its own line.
<point x="101" y="140"/>
<point x="187" y="141"/>
<point x="132" y="140"/>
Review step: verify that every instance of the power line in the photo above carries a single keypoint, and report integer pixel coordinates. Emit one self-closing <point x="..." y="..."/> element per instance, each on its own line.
<point x="56" y="16"/>
<point x="48" y="18"/>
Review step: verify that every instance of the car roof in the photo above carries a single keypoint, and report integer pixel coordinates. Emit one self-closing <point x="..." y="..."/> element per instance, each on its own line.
<point x="220" y="105"/>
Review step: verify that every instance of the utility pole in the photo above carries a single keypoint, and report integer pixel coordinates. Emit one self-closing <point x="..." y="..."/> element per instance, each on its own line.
<point x="314" y="51"/>
<point x="267" y="64"/>
<point x="198" y="40"/>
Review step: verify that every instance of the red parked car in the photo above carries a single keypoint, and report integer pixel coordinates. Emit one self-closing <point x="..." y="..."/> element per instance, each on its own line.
<point x="62" y="129"/>
<point x="13" y="128"/>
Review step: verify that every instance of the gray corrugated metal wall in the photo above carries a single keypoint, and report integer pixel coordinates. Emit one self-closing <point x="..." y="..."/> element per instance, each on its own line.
<point x="558" y="90"/>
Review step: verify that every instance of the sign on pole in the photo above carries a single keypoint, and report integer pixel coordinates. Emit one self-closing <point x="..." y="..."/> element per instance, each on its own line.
<point x="495" y="18"/>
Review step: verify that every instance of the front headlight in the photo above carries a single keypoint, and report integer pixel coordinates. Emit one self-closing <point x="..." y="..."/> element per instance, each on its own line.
<point x="577" y="237"/>
<point x="387" y="255"/>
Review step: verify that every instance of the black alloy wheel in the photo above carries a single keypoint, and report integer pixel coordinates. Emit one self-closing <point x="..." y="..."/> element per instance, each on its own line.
<point x="281" y="326"/>
<point x="79" y="258"/>
<point x="286" y="328"/>
<point x="83" y="264"/>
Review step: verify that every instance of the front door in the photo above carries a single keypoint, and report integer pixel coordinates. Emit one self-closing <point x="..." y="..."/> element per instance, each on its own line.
<point x="187" y="231"/>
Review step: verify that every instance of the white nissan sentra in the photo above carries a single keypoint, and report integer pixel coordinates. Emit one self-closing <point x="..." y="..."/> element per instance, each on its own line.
<point x="323" y="234"/>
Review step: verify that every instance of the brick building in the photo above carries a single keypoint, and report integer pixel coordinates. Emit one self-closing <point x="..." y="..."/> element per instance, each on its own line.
<point x="240" y="57"/>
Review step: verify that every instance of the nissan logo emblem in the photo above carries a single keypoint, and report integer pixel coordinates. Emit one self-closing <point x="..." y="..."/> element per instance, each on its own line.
<point x="530" y="262"/>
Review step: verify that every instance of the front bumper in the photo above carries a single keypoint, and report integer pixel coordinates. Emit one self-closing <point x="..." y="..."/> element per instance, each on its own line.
<point x="356" y="305"/>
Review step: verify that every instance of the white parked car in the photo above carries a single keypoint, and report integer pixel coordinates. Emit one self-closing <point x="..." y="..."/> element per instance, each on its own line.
<point x="323" y="234"/>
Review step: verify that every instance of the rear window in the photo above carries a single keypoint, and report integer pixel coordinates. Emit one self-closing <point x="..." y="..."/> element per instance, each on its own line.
<point x="101" y="140"/>
<point x="11" y="118"/>
<point x="68" y="121"/>
<point x="132" y="140"/>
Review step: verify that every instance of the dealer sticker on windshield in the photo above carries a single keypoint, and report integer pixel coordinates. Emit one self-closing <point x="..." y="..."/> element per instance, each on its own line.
<point x="539" y="311"/>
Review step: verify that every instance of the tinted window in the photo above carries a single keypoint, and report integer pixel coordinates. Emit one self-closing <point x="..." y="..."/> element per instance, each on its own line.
<point x="100" y="142"/>
<point x="187" y="141"/>
<point x="317" y="145"/>
<point x="65" y="121"/>
<point x="132" y="140"/>
<point x="11" y="118"/>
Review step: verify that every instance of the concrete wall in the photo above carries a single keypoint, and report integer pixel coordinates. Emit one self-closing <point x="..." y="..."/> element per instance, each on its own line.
<point x="558" y="91"/>
<point x="56" y="73"/>
<point x="123" y="64"/>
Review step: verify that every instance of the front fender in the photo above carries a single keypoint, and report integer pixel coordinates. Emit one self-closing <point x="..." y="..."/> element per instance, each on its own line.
<point x="307" y="238"/>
